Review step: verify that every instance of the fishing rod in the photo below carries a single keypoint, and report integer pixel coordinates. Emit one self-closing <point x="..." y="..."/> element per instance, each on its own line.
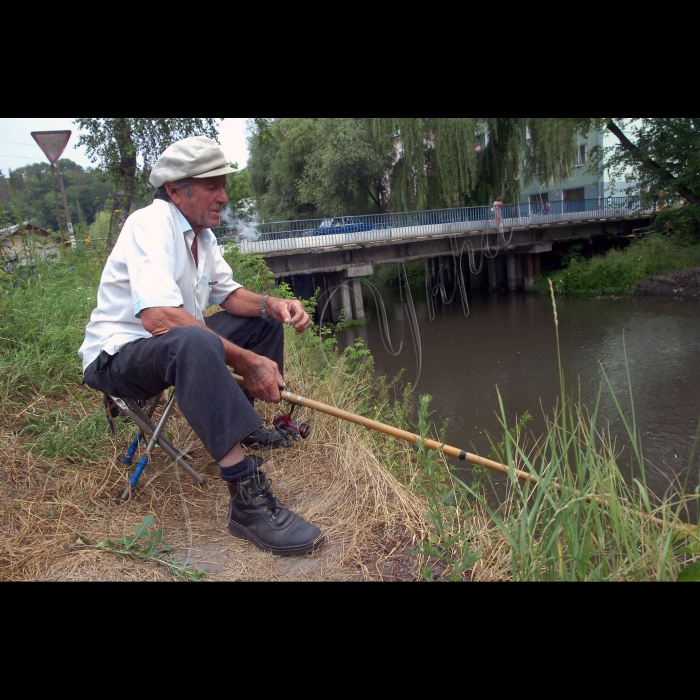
<point x="462" y="455"/>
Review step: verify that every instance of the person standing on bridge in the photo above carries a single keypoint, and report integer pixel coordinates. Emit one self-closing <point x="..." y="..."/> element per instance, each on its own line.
<point x="149" y="333"/>
<point x="497" y="211"/>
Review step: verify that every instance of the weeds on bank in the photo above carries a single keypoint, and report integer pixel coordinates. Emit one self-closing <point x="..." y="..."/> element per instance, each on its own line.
<point x="582" y="521"/>
<point x="619" y="271"/>
<point x="448" y="541"/>
<point x="147" y="545"/>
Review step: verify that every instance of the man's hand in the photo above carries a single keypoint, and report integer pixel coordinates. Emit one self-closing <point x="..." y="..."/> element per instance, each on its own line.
<point x="290" y="312"/>
<point x="262" y="378"/>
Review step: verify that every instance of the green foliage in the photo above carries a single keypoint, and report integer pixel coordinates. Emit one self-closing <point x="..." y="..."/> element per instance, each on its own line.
<point x="126" y="148"/>
<point x="392" y="276"/>
<point x="480" y="474"/>
<point x="240" y="202"/>
<point x="690" y="574"/>
<point x="447" y="162"/>
<point x="683" y="223"/>
<point x="662" y="157"/>
<point x="447" y="541"/>
<point x="86" y="193"/>
<point x="580" y="520"/>
<point x="304" y="168"/>
<point x="147" y="545"/>
<point x="43" y="324"/>
<point x="619" y="271"/>
<point x="249" y="270"/>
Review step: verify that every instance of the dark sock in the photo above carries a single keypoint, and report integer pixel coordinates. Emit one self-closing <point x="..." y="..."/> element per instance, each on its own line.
<point x="242" y="470"/>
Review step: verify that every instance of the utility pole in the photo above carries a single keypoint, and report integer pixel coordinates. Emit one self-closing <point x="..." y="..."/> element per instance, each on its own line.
<point x="53" y="143"/>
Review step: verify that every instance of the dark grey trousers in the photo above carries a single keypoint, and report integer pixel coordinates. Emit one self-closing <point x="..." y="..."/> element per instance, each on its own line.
<point x="192" y="360"/>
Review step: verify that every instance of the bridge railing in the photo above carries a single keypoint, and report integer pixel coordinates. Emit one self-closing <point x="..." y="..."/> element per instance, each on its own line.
<point x="320" y="233"/>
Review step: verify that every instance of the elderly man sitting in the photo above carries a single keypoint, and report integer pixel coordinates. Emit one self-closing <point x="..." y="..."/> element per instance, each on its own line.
<point x="149" y="333"/>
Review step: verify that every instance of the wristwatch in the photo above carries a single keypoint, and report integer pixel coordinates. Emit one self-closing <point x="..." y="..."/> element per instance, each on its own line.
<point x="263" y="313"/>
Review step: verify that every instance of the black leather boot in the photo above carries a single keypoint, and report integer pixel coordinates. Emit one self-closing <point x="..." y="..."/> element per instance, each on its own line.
<point x="266" y="439"/>
<point x="257" y="516"/>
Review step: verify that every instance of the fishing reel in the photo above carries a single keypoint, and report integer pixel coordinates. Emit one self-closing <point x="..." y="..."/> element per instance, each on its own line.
<point x="292" y="428"/>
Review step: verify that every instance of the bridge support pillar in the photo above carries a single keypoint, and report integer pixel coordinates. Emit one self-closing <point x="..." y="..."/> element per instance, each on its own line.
<point x="529" y="273"/>
<point x="448" y="269"/>
<point x="336" y="301"/>
<point x="514" y="264"/>
<point x="493" y="275"/>
<point x="357" y="302"/>
<point x="345" y="301"/>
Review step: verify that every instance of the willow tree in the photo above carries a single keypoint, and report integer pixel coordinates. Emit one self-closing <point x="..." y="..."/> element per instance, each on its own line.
<point x="456" y="161"/>
<point x="125" y="149"/>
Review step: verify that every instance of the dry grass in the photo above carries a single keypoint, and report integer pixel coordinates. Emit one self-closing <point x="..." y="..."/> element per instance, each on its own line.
<point x="54" y="513"/>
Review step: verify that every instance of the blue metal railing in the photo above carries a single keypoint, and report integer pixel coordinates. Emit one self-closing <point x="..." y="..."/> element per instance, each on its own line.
<point x="315" y="233"/>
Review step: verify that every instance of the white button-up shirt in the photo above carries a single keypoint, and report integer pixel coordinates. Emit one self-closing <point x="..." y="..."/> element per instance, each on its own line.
<point x="152" y="265"/>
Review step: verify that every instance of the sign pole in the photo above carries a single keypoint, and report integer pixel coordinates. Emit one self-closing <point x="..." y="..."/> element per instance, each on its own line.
<point x="53" y="143"/>
<point x="65" y="206"/>
<point x="55" y="194"/>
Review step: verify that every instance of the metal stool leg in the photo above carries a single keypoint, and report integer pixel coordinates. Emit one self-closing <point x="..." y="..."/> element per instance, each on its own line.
<point x="146" y="425"/>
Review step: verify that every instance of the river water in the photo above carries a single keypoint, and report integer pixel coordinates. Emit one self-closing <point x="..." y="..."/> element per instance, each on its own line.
<point x="508" y="344"/>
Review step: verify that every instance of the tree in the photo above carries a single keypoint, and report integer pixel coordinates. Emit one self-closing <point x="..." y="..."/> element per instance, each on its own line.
<point x="458" y="161"/>
<point x="659" y="154"/>
<point x="303" y="168"/>
<point x="306" y="168"/>
<point x="240" y="202"/>
<point x="87" y="192"/>
<point x="126" y="149"/>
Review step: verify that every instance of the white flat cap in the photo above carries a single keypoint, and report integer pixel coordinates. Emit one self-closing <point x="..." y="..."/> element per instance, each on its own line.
<point x="197" y="156"/>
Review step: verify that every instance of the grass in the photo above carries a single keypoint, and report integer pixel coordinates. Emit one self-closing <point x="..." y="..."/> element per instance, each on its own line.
<point x="377" y="498"/>
<point x="619" y="271"/>
<point x="582" y="521"/>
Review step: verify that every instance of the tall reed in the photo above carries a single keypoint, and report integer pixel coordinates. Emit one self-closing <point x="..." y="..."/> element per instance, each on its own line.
<point x="582" y="521"/>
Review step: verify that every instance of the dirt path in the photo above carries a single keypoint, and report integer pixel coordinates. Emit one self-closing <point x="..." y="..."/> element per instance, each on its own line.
<point x="684" y="284"/>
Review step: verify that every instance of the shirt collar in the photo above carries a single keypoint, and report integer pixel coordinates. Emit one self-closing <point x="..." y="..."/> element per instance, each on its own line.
<point x="205" y="234"/>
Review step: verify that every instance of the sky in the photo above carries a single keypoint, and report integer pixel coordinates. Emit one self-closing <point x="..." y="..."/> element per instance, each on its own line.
<point x="18" y="148"/>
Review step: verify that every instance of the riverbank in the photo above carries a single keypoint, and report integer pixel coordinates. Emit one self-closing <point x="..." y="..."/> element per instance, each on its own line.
<point x="647" y="265"/>
<point x="378" y="499"/>
<point x="60" y="514"/>
<point x="683" y="284"/>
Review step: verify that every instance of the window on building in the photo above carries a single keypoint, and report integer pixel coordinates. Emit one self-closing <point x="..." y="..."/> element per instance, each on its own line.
<point x="582" y="155"/>
<point x="574" y="194"/>
<point x="574" y="200"/>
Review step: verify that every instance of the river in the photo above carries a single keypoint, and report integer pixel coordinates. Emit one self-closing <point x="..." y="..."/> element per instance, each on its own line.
<point x="508" y="344"/>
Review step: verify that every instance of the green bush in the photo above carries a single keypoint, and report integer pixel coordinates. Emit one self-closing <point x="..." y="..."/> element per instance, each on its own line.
<point x="619" y="271"/>
<point x="683" y="223"/>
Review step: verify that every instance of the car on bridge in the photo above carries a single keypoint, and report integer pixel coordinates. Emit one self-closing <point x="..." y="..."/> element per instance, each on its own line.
<point x="342" y="224"/>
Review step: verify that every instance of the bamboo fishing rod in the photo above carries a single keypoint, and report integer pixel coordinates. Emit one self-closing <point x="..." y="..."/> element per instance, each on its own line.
<point x="463" y="455"/>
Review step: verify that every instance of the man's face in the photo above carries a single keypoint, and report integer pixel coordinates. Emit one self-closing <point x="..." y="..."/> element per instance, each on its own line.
<point x="203" y="208"/>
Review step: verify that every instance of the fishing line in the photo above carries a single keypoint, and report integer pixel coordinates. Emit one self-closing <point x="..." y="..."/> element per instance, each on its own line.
<point x="413" y="326"/>
<point x="383" y="321"/>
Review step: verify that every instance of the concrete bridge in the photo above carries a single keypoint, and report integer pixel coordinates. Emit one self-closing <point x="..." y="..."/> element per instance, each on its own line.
<point x="493" y="249"/>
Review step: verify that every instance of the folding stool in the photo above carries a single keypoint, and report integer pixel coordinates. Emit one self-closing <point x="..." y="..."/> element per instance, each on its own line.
<point x="142" y="416"/>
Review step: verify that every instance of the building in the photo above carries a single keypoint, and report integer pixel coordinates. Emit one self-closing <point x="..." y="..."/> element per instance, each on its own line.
<point x="582" y="183"/>
<point x="13" y="243"/>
